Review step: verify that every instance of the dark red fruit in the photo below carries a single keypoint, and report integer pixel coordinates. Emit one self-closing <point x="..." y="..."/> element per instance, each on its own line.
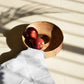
<point x="39" y="43"/>
<point x="25" y="34"/>
<point x="30" y="42"/>
<point x="30" y="33"/>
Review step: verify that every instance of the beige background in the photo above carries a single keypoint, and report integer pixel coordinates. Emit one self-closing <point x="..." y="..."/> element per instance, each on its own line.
<point x="68" y="66"/>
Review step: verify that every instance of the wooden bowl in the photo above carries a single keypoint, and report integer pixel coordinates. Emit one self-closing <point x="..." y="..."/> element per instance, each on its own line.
<point x="52" y="35"/>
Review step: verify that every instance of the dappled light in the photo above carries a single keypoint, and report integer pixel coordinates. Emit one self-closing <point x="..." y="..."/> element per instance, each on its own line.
<point x="71" y="21"/>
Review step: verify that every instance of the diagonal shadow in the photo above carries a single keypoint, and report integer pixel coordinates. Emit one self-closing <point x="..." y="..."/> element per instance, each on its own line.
<point x="74" y="34"/>
<point x="57" y="10"/>
<point x="76" y="1"/>
<point x="74" y="49"/>
<point x="66" y="74"/>
<point x="37" y="9"/>
<point x="65" y="9"/>
<point x="70" y="60"/>
<point x="59" y="19"/>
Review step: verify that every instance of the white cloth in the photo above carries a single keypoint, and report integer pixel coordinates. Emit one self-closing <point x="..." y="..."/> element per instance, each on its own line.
<point x="27" y="68"/>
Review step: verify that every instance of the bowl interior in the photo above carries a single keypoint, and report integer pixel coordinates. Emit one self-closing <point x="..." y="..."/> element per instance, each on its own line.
<point x="52" y="35"/>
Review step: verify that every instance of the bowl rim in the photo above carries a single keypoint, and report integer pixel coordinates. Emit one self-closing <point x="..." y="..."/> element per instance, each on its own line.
<point x="59" y="46"/>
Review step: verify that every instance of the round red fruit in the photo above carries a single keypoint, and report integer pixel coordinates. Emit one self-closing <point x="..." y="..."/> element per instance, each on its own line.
<point x="39" y="43"/>
<point x="32" y="32"/>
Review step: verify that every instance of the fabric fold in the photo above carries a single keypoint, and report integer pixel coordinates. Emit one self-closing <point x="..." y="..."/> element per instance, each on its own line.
<point x="27" y="68"/>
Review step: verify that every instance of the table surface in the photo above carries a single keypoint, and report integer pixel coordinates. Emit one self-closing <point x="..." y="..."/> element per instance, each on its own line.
<point x="68" y="66"/>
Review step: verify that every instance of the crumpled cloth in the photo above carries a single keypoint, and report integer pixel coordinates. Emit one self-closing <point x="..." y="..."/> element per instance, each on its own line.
<point x="27" y="68"/>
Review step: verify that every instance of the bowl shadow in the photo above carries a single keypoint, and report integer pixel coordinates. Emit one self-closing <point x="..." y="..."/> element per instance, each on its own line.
<point x="14" y="42"/>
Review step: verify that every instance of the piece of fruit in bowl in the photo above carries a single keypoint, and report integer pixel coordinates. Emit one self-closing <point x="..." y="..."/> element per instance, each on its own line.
<point x="31" y="38"/>
<point x="39" y="43"/>
<point x="30" y="32"/>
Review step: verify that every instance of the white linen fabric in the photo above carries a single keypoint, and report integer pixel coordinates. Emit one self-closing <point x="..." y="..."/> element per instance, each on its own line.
<point x="27" y="68"/>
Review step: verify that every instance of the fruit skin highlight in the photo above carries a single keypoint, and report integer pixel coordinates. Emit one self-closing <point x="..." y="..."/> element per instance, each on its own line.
<point x="35" y="43"/>
<point x="39" y="43"/>
<point x="30" y="32"/>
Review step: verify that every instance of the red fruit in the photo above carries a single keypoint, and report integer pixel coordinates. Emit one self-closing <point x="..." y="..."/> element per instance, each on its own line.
<point x="30" y="42"/>
<point x="30" y="33"/>
<point x="25" y="34"/>
<point x="39" y="43"/>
